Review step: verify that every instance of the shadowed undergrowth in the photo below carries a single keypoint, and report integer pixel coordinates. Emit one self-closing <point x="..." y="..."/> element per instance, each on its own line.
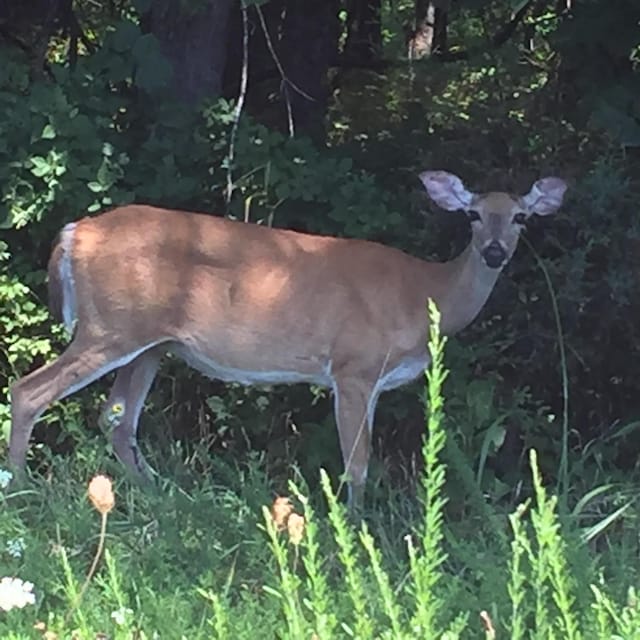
<point x="226" y="560"/>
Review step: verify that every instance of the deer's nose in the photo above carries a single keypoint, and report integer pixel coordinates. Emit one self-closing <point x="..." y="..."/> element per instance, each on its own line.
<point x="494" y="255"/>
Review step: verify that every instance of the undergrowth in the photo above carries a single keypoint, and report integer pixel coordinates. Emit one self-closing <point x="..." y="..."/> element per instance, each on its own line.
<point x="207" y="562"/>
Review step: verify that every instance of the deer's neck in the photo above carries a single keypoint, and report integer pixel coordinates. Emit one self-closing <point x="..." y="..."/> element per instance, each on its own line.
<point x="468" y="286"/>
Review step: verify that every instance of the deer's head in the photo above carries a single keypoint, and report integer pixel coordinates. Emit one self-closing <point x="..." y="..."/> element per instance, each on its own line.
<point x="496" y="217"/>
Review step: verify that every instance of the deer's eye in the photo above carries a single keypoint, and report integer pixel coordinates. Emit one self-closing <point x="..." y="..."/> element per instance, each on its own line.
<point x="520" y="218"/>
<point x="474" y="216"/>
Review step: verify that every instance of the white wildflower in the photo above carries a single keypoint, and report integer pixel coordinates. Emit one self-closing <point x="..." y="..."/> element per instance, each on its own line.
<point x="15" y="594"/>
<point x="120" y="615"/>
<point x="16" y="547"/>
<point x="5" y="478"/>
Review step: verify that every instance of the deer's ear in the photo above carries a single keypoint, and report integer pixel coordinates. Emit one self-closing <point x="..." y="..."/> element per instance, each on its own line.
<point x="446" y="190"/>
<point x="545" y="196"/>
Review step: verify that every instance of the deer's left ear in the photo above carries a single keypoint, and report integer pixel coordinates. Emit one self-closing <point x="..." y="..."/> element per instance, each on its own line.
<point x="545" y="196"/>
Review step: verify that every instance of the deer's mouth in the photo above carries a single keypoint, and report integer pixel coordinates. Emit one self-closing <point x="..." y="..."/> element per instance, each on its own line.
<point x="494" y="255"/>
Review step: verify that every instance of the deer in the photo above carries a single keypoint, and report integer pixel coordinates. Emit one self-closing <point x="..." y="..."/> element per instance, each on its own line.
<point x="254" y="304"/>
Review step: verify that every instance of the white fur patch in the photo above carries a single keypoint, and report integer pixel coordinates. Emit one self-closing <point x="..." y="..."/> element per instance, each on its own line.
<point x="213" y="369"/>
<point x="69" y="300"/>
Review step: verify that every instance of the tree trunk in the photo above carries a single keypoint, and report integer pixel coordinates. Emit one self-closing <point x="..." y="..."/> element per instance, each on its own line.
<point x="364" y="35"/>
<point x="194" y="40"/>
<point x="430" y="33"/>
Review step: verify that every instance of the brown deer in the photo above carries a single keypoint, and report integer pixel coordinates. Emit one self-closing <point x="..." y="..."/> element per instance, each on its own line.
<point x="256" y="305"/>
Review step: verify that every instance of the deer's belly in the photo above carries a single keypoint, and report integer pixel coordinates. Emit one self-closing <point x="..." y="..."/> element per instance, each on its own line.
<point x="214" y="369"/>
<point x="404" y="372"/>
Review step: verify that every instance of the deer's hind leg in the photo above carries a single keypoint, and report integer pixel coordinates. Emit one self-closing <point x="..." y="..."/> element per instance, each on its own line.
<point x="123" y="408"/>
<point x="84" y="361"/>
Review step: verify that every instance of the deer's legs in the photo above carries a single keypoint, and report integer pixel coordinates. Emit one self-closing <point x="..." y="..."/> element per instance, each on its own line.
<point x="124" y="405"/>
<point x="354" y="405"/>
<point x="83" y="362"/>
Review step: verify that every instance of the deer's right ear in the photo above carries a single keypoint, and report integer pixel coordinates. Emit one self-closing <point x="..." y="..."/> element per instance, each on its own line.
<point x="446" y="190"/>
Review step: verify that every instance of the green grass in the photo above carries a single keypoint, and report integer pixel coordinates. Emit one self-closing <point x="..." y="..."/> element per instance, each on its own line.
<point x="212" y="561"/>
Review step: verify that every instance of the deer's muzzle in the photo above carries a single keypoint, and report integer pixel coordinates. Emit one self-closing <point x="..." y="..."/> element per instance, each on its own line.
<point x="494" y="255"/>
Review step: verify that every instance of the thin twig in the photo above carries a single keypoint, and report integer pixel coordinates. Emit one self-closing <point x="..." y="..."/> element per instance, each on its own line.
<point x="92" y="569"/>
<point x="240" y="103"/>
<point x="285" y="81"/>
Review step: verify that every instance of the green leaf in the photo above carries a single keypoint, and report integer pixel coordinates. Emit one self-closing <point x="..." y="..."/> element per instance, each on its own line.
<point x="40" y="166"/>
<point x="104" y="175"/>
<point x="96" y="187"/>
<point x="48" y="133"/>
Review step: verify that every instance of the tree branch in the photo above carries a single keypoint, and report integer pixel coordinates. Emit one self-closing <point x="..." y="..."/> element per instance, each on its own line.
<point x="509" y="29"/>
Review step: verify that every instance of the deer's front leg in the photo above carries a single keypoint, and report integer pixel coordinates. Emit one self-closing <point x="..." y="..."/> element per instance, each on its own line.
<point x="354" y="405"/>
